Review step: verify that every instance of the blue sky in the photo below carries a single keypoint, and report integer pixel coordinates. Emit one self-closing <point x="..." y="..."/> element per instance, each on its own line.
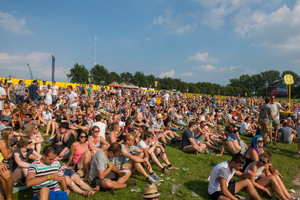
<point x="194" y="40"/>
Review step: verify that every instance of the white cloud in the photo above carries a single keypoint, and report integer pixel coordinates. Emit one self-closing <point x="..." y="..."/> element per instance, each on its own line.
<point x="203" y="57"/>
<point x="278" y="31"/>
<point x="205" y="68"/>
<point x="216" y="11"/>
<point x="187" y="74"/>
<point x="174" y="24"/>
<point x="40" y="64"/>
<point x="10" y="23"/>
<point x="231" y="68"/>
<point x="167" y="74"/>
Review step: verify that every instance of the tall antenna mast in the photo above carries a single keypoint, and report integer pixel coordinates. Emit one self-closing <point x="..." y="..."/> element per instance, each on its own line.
<point x="95" y="48"/>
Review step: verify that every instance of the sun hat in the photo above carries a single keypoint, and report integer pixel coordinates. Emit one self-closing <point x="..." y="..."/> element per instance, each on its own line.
<point x="6" y="118"/>
<point x="158" y="116"/>
<point x="65" y="125"/>
<point x="150" y="191"/>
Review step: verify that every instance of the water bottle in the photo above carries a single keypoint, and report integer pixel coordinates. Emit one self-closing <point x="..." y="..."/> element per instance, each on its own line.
<point x="174" y="189"/>
<point x="135" y="189"/>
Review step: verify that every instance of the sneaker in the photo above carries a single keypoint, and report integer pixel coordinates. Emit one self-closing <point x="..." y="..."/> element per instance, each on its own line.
<point x="297" y="154"/>
<point x="157" y="178"/>
<point x="48" y="140"/>
<point x="266" y="146"/>
<point x="151" y="180"/>
<point x="275" y="143"/>
<point x="164" y="170"/>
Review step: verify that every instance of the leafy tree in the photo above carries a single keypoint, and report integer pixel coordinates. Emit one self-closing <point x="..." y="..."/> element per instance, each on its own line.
<point x="113" y="76"/>
<point x="272" y="77"/>
<point x="126" y="77"/>
<point x="139" y="79"/>
<point x="79" y="74"/>
<point x="99" y="75"/>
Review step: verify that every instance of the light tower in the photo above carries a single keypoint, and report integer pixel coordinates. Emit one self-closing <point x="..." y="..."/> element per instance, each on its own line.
<point x="95" y="48"/>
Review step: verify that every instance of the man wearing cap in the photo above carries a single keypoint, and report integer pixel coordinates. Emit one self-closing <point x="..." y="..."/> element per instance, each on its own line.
<point x="5" y="122"/>
<point x="150" y="192"/>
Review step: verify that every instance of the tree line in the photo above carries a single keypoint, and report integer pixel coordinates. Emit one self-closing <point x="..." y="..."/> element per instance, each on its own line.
<point x="245" y="85"/>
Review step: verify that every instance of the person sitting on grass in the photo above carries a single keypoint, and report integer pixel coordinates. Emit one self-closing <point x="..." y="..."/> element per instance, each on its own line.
<point x="272" y="180"/>
<point x="188" y="143"/>
<point x="79" y="186"/>
<point x="150" y="192"/>
<point x="255" y="150"/>
<point x="105" y="174"/>
<point x="80" y="156"/>
<point x="221" y="187"/>
<point x="286" y="133"/>
<point x="36" y="138"/>
<point x="6" y="179"/>
<point x="133" y="157"/>
<point x="155" y="149"/>
<point x="95" y="141"/>
<point x="230" y="140"/>
<point x="63" y="141"/>
<point x="21" y="155"/>
<point x="43" y="176"/>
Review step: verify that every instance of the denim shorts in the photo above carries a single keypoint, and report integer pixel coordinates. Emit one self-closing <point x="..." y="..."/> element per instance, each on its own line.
<point x="69" y="173"/>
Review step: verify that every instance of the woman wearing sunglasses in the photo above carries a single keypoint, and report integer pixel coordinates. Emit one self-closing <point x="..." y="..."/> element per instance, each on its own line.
<point x="255" y="149"/>
<point x="22" y="154"/>
<point x="270" y="180"/>
<point x="95" y="140"/>
<point x="80" y="154"/>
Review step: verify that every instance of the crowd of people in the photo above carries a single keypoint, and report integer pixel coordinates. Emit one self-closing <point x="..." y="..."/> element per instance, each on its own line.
<point x="99" y="136"/>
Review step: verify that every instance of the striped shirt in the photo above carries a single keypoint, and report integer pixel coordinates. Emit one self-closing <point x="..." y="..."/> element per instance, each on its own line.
<point x="40" y="170"/>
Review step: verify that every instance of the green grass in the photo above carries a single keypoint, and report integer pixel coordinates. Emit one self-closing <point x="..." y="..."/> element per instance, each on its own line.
<point x="195" y="179"/>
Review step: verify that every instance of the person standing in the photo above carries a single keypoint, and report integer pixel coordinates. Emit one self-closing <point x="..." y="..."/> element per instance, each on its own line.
<point x="42" y="89"/>
<point x="20" y="88"/>
<point x="54" y="90"/>
<point x="3" y="96"/>
<point x="264" y="118"/>
<point x="34" y="92"/>
<point x="72" y="99"/>
<point x="275" y="107"/>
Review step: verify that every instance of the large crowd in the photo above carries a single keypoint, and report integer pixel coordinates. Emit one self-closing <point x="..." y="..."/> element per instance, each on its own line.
<point x="99" y="136"/>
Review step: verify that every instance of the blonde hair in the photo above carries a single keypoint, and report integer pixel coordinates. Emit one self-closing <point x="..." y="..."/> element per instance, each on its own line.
<point x="5" y="137"/>
<point x="30" y="129"/>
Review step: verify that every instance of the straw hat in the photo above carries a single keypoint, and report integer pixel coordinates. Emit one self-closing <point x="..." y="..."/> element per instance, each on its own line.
<point x="158" y="116"/>
<point x="150" y="191"/>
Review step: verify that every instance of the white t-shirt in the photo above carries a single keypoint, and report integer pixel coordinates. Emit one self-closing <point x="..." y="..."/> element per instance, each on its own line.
<point x="143" y="145"/>
<point x="102" y="128"/>
<point x="54" y="90"/>
<point x="220" y="170"/>
<point x="243" y="127"/>
<point x="275" y="110"/>
<point x="72" y="96"/>
<point x="42" y="88"/>
<point x="2" y="93"/>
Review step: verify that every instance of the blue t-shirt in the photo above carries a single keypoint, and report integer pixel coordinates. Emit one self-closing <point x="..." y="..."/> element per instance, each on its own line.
<point x="185" y="138"/>
<point x="20" y="92"/>
<point x="32" y="92"/>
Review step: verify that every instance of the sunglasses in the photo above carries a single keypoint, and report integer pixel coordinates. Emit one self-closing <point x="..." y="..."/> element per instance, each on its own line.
<point x="96" y="131"/>
<point x="83" y="136"/>
<point x="29" y="142"/>
<point x="264" y="162"/>
<point x="79" y="118"/>
<point x="260" y="141"/>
